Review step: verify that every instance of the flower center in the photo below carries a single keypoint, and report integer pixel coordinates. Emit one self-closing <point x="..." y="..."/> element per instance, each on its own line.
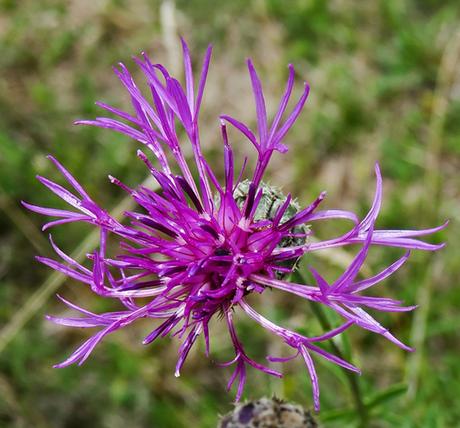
<point x="270" y="202"/>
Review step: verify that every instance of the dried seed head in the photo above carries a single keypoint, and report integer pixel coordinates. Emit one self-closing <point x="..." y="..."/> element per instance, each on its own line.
<point x="268" y="413"/>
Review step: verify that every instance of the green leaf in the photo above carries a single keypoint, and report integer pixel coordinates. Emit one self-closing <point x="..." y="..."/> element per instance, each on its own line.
<point x="389" y="394"/>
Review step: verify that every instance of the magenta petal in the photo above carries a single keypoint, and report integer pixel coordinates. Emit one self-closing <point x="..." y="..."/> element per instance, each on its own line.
<point x="243" y="129"/>
<point x="260" y="105"/>
<point x="283" y="102"/>
<point x="313" y="376"/>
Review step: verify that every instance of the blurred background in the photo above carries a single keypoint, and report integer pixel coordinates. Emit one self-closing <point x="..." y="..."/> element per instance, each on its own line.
<point x="385" y="79"/>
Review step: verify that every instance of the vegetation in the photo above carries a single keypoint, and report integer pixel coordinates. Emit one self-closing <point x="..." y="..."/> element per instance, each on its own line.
<point x="385" y="86"/>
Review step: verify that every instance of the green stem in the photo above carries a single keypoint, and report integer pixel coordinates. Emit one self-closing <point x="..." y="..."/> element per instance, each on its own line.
<point x="361" y="408"/>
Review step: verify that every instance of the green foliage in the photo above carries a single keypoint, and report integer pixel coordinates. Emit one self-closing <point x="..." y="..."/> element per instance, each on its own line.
<point x="374" y="71"/>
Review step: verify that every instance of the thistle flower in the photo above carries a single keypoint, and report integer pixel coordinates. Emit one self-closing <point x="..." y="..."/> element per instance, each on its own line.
<point x="197" y="248"/>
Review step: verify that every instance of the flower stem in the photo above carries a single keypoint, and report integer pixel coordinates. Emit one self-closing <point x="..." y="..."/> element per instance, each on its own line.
<point x="361" y="408"/>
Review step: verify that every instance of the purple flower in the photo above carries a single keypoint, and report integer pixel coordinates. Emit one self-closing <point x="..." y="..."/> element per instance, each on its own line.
<point x="196" y="249"/>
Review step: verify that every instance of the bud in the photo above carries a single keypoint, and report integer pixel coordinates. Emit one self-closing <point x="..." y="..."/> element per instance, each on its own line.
<point x="268" y="413"/>
<point x="271" y="201"/>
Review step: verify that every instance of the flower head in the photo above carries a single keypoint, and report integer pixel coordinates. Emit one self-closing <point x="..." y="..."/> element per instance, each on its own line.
<point x="197" y="248"/>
